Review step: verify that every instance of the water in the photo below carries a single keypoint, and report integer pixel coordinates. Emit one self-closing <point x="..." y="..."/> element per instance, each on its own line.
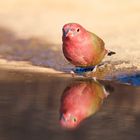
<point x="30" y="109"/>
<point x="133" y="79"/>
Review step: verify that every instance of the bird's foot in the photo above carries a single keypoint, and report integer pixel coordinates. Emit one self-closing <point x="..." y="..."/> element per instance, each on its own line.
<point x="73" y="74"/>
<point x="84" y="71"/>
<point x="94" y="70"/>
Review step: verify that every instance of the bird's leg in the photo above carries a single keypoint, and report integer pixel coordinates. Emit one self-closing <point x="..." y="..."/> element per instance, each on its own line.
<point x="94" y="70"/>
<point x="72" y="73"/>
<point x="94" y="78"/>
<point x="102" y="63"/>
<point x="90" y="72"/>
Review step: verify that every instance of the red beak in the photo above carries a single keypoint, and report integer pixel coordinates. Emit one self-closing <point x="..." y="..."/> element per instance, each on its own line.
<point x="67" y="33"/>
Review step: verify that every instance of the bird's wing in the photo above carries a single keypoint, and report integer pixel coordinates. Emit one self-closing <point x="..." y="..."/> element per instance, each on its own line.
<point x="97" y="40"/>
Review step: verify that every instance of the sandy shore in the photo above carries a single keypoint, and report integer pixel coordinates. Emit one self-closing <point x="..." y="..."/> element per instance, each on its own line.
<point x="116" y="22"/>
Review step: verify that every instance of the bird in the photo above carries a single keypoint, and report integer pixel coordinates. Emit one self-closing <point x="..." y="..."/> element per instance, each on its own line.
<point x="79" y="101"/>
<point x="82" y="48"/>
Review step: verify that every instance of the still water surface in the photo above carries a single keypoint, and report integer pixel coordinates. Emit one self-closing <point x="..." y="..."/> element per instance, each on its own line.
<point x="32" y="107"/>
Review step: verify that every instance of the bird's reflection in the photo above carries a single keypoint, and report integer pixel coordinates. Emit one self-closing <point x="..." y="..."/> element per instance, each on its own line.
<point x="80" y="100"/>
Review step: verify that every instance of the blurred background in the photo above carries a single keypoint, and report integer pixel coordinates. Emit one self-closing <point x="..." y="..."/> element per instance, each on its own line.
<point x="45" y="18"/>
<point x="116" y="22"/>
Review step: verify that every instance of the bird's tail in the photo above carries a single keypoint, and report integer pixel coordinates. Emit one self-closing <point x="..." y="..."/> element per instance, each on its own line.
<point x="109" y="53"/>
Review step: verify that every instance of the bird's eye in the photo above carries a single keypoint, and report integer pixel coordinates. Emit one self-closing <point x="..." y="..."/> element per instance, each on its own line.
<point x="78" y="30"/>
<point x="74" y="119"/>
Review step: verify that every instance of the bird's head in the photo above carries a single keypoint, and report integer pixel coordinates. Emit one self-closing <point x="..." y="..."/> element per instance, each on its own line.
<point x="69" y="121"/>
<point x="73" y="31"/>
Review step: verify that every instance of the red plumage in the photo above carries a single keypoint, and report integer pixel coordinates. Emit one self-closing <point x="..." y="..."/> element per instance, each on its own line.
<point x="81" y="47"/>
